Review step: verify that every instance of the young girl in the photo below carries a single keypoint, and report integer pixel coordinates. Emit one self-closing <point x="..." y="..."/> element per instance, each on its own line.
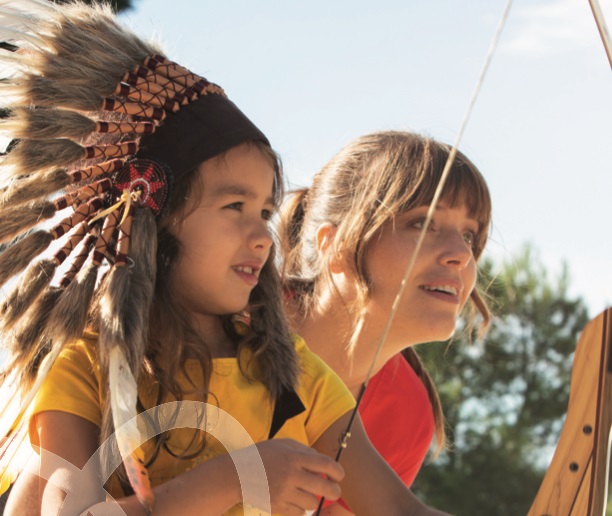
<point x="346" y="243"/>
<point x="169" y="189"/>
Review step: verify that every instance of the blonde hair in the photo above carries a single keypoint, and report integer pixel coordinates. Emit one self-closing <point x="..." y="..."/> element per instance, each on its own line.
<point x="366" y="184"/>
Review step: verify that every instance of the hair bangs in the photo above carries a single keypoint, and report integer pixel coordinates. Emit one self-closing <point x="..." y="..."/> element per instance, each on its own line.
<point x="464" y="186"/>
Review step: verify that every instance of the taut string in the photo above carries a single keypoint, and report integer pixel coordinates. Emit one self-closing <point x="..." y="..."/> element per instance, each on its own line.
<point x="343" y="441"/>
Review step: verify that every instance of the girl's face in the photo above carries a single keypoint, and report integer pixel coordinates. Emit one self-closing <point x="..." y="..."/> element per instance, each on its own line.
<point x="225" y="240"/>
<point x="441" y="280"/>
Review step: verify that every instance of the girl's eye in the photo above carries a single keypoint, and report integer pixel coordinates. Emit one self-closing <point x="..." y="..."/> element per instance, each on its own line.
<point x="234" y="206"/>
<point x="470" y="238"/>
<point x="266" y="214"/>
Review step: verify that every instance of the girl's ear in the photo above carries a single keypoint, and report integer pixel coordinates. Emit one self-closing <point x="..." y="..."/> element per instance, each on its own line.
<point x="325" y="244"/>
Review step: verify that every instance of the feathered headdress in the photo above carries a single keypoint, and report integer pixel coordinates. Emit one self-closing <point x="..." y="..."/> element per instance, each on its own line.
<point x="103" y="124"/>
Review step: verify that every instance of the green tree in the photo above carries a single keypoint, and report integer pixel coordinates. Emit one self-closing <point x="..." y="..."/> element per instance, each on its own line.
<point x="505" y="398"/>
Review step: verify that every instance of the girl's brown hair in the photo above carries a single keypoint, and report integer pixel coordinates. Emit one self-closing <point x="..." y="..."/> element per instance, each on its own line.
<point x="171" y="338"/>
<point x="367" y="183"/>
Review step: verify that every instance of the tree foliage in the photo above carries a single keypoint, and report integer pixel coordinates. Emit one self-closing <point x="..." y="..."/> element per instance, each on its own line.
<point x="505" y="398"/>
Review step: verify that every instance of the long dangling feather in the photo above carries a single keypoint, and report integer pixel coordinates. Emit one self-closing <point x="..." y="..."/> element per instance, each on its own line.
<point x="15" y="451"/>
<point x="18" y="255"/>
<point x="26" y="342"/>
<point x="66" y="323"/>
<point x="24" y="217"/>
<point x="31" y="284"/>
<point x="33" y="188"/>
<point x="123" y="400"/>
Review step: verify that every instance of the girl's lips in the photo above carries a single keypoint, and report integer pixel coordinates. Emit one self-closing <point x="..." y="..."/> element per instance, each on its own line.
<point x="249" y="274"/>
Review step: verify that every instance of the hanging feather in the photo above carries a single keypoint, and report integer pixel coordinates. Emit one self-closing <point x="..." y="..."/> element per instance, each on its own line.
<point x="31" y="284"/>
<point x="66" y="323"/>
<point x="17" y="256"/>
<point x="26" y="343"/>
<point x="33" y="187"/>
<point x="11" y="415"/>
<point x="123" y="401"/>
<point x="33" y="155"/>
<point x="124" y="323"/>
<point x="24" y="217"/>
<point x="69" y="317"/>
<point x="15" y="452"/>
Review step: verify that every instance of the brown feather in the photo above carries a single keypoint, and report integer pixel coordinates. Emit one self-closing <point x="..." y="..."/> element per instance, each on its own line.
<point x="18" y="256"/>
<point x="68" y="318"/>
<point x="126" y="301"/>
<point x="21" y="218"/>
<point x="33" y="187"/>
<point x="31" y="284"/>
<point x="27" y="342"/>
<point x="45" y="124"/>
<point x="33" y="155"/>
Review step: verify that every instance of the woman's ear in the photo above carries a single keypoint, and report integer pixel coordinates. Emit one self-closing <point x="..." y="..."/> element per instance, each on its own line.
<point x="325" y="244"/>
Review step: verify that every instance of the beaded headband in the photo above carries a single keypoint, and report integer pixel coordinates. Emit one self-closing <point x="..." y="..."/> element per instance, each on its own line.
<point x="103" y="125"/>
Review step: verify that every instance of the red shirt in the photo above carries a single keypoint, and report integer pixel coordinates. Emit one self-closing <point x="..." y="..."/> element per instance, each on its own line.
<point x="398" y="418"/>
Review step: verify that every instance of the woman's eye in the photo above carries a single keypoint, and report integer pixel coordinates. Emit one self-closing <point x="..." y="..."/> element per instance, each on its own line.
<point x="418" y="224"/>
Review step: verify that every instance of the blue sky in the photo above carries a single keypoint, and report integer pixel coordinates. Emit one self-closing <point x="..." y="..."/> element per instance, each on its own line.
<point x="314" y="75"/>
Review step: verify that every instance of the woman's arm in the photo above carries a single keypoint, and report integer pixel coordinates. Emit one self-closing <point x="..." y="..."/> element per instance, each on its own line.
<point x="370" y="486"/>
<point x="296" y="475"/>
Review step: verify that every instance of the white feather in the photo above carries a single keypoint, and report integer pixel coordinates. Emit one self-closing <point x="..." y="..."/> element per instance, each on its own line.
<point x="15" y="457"/>
<point x="13" y="411"/>
<point x="18" y="38"/>
<point x="28" y="7"/>
<point x="123" y="398"/>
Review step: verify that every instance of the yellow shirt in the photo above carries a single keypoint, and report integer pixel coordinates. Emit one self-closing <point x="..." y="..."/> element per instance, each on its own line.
<point x="73" y="386"/>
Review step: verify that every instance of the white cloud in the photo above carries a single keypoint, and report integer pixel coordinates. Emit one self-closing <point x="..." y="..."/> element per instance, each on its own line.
<point x="554" y="27"/>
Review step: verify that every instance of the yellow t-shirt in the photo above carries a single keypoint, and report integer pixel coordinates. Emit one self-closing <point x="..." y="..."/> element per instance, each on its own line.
<point x="73" y="386"/>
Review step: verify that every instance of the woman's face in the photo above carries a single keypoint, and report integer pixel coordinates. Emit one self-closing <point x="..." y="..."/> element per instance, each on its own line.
<point x="225" y="239"/>
<point x="443" y="276"/>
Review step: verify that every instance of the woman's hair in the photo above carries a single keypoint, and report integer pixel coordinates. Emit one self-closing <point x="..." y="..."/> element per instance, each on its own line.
<point x="367" y="183"/>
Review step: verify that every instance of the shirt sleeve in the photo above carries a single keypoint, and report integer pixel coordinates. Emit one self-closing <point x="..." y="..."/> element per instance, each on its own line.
<point x="326" y="396"/>
<point x="72" y="386"/>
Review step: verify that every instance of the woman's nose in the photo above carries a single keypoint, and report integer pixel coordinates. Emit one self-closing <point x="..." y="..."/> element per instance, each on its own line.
<point x="456" y="250"/>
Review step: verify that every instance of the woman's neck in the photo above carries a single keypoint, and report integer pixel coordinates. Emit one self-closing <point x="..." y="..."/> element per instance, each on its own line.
<point x="327" y="331"/>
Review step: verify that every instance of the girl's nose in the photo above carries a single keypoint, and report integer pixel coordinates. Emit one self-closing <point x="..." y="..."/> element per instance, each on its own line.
<point x="260" y="237"/>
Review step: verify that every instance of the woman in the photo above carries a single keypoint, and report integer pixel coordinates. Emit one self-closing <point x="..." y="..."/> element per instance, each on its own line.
<point x="346" y="243"/>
